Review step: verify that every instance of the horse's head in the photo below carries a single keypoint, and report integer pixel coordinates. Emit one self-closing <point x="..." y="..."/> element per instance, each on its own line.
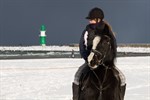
<point x="101" y="51"/>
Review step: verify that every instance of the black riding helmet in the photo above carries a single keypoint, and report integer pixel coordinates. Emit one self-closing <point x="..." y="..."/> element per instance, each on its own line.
<point x="95" y="13"/>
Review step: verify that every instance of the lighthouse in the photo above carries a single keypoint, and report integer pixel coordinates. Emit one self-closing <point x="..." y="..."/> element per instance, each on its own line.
<point x="43" y="35"/>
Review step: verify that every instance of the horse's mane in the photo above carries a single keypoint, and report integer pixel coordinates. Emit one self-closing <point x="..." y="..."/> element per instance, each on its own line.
<point x="113" y="39"/>
<point x="109" y="32"/>
<point x="109" y="27"/>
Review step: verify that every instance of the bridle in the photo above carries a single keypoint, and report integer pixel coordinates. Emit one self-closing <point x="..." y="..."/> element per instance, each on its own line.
<point x="103" y="56"/>
<point x="101" y="88"/>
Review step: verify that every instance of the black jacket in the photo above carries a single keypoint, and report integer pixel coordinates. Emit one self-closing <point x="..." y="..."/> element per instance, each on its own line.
<point x="101" y="29"/>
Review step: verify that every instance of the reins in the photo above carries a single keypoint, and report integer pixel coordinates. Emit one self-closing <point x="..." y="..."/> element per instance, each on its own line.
<point x="101" y="88"/>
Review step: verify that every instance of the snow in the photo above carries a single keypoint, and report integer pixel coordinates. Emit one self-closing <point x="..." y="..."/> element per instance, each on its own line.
<point x="134" y="49"/>
<point x="39" y="48"/>
<point x="69" y="48"/>
<point x="51" y="79"/>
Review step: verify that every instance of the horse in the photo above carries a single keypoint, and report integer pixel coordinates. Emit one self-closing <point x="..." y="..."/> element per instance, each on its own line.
<point x="101" y="81"/>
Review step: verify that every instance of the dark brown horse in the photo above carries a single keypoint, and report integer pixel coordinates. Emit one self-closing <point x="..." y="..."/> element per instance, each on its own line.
<point x="101" y="82"/>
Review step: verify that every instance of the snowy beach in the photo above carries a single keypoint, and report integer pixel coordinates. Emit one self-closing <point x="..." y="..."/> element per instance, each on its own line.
<point x="51" y="79"/>
<point x="39" y="52"/>
<point x="68" y="48"/>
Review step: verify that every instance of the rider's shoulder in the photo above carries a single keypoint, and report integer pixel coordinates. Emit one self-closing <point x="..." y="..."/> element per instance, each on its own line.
<point x="88" y="27"/>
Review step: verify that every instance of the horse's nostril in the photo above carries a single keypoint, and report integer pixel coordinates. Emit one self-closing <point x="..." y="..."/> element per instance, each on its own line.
<point x="92" y="63"/>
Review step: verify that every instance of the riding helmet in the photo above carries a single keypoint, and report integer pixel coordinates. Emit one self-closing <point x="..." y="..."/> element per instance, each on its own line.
<point x="95" y="13"/>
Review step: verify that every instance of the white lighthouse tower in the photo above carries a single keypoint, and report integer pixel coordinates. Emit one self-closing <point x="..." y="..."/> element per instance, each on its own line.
<point x="43" y="36"/>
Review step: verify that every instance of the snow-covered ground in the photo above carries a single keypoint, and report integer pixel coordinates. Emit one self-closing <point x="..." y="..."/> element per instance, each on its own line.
<point x="69" y="48"/>
<point x="39" y="48"/>
<point x="51" y="79"/>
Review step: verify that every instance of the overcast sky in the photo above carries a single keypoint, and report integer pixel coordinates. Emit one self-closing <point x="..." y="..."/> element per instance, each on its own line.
<point x="20" y="20"/>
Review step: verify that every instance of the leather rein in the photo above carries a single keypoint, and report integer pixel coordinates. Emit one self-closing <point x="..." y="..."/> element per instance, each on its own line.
<point x="101" y="88"/>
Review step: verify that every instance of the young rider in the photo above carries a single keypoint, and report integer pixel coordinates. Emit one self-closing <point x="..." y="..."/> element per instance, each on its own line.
<point x="96" y="24"/>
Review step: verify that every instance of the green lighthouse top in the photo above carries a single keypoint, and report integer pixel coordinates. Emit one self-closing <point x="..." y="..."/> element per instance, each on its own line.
<point x="43" y="28"/>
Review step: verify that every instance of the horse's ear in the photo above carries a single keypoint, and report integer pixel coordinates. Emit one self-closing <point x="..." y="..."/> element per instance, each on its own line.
<point x="107" y="38"/>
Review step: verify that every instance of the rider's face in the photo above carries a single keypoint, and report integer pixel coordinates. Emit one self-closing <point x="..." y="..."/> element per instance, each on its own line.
<point x="93" y="21"/>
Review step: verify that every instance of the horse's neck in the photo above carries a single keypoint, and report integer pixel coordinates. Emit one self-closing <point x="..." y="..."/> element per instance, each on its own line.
<point x="100" y="71"/>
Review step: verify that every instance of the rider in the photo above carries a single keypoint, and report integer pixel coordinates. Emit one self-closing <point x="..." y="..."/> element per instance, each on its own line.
<point x="96" y="24"/>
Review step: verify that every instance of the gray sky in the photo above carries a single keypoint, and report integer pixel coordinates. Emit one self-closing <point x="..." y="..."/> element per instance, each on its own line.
<point x="20" y="20"/>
